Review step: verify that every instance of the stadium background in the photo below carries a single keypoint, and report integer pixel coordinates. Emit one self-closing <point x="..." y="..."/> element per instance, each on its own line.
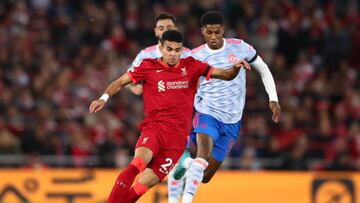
<point x="56" y="56"/>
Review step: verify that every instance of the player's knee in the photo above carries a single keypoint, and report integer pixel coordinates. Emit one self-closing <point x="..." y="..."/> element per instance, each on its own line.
<point x="204" y="153"/>
<point x="207" y="155"/>
<point x="149" y="178"/>
<point x="139" y="163"/>
<point x="205" y="146"/>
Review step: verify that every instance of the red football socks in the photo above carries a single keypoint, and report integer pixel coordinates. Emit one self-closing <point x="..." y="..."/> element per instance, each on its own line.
<point x="135" y="192"/>
<point x="125" y="180"/>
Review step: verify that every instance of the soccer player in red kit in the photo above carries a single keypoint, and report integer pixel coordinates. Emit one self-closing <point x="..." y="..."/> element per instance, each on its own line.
<point x="169" y="85"/>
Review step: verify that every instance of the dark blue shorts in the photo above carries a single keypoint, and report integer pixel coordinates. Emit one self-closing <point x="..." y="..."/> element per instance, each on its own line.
<point x="224" y="135"/>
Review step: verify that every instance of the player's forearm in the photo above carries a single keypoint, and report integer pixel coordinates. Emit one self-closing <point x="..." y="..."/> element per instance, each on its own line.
<point x="117" y="85"/>
<point x="113" y="88"/>
<point x="266" y="78"/>
<point x="231" y="73"/>
<point x="225" y="74"/>
<point x="270" y="87"/>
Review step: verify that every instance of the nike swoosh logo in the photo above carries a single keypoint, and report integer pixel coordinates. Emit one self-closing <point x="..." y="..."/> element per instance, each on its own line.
<point x="158" y="71"/>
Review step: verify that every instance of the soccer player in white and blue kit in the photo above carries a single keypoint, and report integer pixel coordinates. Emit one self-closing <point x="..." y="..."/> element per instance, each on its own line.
<point x="163" y="22"/>
<point x="219" y="106"/>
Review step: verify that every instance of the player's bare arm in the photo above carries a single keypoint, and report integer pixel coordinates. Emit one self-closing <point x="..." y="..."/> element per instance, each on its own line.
<point x="230" y="73"/>
<point x="136" y="89"/>
<point x="112" y="89"/>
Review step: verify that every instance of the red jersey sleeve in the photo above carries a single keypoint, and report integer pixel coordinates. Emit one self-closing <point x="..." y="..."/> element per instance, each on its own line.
<point x="204" y="68"/>
<point x="138" y="73"/>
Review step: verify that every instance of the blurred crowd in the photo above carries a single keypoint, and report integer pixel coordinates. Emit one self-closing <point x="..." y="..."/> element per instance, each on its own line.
<point x="58" y="55"/>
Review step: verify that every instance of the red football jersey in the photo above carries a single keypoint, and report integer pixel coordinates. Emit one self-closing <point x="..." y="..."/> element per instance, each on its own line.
<point x="169" y="92"/>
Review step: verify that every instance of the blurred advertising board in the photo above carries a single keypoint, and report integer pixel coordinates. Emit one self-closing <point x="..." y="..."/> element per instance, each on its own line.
<point x="93" y="186"/>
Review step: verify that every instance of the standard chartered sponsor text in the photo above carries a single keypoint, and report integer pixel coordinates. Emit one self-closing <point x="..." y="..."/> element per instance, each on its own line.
<point x="177" y="84"/>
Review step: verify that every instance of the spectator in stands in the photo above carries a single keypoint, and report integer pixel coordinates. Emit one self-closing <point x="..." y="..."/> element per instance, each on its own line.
<point x="56" y="55"/>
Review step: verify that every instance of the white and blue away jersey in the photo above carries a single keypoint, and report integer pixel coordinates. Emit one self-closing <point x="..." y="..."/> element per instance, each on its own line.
<point x="223" y="100"/>
<point x="154" y="52"/>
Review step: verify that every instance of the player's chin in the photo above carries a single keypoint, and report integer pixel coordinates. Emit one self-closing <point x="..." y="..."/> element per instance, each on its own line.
<point x="172" y="62"/>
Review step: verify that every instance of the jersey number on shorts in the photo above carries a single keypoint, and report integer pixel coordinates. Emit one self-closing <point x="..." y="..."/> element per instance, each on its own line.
<point x="165" y="167"/>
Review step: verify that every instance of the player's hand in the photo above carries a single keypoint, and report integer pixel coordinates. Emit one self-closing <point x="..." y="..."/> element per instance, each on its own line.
<point x="136" y="89"/>
<point x="276" y="110"/>
<point x="242" y="64"/>
<point x="96" y="105"/>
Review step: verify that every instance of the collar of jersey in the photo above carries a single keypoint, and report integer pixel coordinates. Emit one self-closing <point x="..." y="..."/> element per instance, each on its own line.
<point x="166" y="65"/>
<point x="158" y="48"/>
<point x="216" y="50"/>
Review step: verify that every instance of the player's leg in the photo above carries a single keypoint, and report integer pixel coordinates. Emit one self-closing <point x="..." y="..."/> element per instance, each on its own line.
<point x="196" y="171"/>
<point x="175" y="187"/>
<point x="185" y="159"/>
<point x="157" y="169"/>
<point x="207" y="132"/>
<point x="228" y="135"/>
<point x="218" y="153"/>
<point x="147" y="179"/>
<point x="126" y="178"/>
<point x="162" y="164"/>
<point x="147" y="146"/>
<point x="176" y="178"/>
<point x="210" y="171"/>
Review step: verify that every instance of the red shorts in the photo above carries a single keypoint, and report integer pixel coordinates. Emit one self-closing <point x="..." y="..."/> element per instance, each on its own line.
<point x="164" y="158"/>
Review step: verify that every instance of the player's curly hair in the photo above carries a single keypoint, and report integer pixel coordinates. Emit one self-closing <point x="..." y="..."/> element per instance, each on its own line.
<point x="212" y="18"/>
<point x="172" y="36"/>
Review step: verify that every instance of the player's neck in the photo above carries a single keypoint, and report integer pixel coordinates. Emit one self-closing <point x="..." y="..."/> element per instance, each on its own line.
<point x="219" y="48"/>
<point x="161" y="60"/>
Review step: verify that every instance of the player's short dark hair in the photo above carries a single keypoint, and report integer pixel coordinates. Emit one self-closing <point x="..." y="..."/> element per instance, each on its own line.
<point x="172" y="36"/>
<point x="163" y="16"/>
<point x="212" y="18"/>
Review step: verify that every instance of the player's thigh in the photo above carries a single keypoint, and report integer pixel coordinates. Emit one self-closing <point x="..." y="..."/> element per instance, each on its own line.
<point x="205" y="124"/>
<point x="205" y="145"/>
<point x="145" y="153"/>
<point x="207" y="132"/>
<point x="221" y="149"/>
<point x="210" y="171"/>
<point x="222" y="146"/>
<point x="147" y="145"/>
<point x="219" y="153"/>
<point x="191" y="145"/>
<point x="164" y="162"/>
<point x="149" y="178"/>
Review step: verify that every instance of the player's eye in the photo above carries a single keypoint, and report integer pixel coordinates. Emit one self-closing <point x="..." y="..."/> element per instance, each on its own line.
<point x="169" y="49"/>
<point x="178" y="50"/>
<point x="161" y="28"/>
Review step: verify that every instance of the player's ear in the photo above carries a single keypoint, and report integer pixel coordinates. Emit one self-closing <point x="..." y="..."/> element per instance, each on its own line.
<point x="202" y="30"/>
<point x="222" y="29"/>
<point x="161" y="46"/>
<point x="157" y="32"/>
